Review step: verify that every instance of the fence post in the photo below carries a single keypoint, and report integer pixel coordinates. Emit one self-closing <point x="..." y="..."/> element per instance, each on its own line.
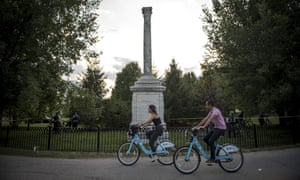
<point x="6" y="139"/>
<point x="49" y="137"/>
<point x="255" y="136"/>
<point x="98" y="139"/>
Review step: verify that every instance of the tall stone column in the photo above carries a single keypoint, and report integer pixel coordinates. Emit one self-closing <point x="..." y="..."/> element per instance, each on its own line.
<point x="147" y="90"/>
<point x="147" y="11"/>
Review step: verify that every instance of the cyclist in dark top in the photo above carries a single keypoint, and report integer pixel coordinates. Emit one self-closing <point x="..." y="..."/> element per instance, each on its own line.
<point x="155" y="118"/>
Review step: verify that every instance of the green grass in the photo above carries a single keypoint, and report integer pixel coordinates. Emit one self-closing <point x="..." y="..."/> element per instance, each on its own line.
<point x="265" y="137"/>
<point x="55" y="154"/>
<point x="39" y="124"/>
<point x="66" y="140"/>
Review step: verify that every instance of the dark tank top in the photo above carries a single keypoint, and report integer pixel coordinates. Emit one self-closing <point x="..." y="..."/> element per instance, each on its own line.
<point x="157" y="121"/>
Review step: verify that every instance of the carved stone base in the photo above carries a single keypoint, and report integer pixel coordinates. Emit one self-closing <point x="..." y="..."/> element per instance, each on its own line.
<point x="147" y="90"/>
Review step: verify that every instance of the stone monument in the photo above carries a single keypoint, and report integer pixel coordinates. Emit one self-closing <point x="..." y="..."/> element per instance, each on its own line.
<point x="147" y="90"/>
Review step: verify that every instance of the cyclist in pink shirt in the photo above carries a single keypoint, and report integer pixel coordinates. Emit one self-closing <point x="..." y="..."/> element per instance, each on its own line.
<point x="214" y="116"/>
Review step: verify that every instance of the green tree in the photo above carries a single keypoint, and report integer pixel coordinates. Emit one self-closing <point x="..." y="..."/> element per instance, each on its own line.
<point x="94" y="78"/>
<point x="191" y="96"/>
<point x="173" y="94"/>
<point x="39" y="40"/>
<point x="117" y="113"/>
<point x="212" y="85"/>
<point x="84" y="103"/>
<point x="126" y="78"/>
<point x="93" y="81"/>
<point x="118" y="109"/>
<point x="255" y="45"/>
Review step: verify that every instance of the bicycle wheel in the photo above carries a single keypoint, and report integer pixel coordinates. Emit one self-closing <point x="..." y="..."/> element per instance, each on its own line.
<point x="165" y="158"/>
<point x="234" y="163"/>
<point x="130" y="158"/>
<point x="186" y="166"/>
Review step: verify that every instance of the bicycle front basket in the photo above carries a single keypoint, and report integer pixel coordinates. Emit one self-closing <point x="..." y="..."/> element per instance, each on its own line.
<point x="133" y="129"/>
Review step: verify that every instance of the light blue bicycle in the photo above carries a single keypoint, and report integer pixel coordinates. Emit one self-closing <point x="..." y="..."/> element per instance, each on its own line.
<point x="187" y="158"/>
<point x="129" y="152"/>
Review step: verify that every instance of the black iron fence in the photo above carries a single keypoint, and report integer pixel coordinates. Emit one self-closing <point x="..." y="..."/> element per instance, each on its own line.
<point x="108" y="140"/>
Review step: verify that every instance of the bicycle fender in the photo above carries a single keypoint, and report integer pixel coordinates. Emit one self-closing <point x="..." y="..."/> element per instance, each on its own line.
<point x="167" y="144"/>
<point x="231" y="148"/>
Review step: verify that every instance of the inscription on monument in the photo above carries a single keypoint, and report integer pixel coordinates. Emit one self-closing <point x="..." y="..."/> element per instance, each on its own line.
<point x="144" y="102"/>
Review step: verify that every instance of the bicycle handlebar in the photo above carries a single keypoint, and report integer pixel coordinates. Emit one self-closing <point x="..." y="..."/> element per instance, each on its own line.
<point x="195" y="131"/>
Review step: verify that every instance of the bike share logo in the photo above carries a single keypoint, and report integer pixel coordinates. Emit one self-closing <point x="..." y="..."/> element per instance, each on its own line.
<point x="231" y="148"/>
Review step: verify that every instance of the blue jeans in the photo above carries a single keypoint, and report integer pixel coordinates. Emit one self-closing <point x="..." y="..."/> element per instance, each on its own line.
<point x="210" y="139"/>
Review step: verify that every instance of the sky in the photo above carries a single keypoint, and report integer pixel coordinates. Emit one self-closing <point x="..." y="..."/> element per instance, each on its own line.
<point x="176" y="32"/>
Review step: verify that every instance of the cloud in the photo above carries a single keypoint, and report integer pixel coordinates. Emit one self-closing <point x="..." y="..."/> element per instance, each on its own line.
<point x="107" y="30"/>
<point x="110" y="75"/>
<point x="104" y="11"/>
<point x="117" y="65"/>
<point x="122" y="62"/>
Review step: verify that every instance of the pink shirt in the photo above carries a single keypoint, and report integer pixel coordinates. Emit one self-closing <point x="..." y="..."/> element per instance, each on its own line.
<point x="219" y="120"/>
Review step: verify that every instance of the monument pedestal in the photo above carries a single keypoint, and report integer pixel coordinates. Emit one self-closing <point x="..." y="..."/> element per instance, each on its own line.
<point x="147" y="90"/>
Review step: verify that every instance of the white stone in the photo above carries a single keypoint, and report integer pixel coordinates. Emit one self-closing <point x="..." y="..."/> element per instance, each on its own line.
<point x="141" y="102"/>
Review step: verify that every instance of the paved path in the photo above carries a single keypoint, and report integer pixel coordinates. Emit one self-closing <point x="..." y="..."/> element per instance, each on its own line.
<point x="275" y="165"/>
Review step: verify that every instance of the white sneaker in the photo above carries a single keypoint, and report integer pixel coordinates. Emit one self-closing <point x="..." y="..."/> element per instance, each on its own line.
<point x="154" y="158"/>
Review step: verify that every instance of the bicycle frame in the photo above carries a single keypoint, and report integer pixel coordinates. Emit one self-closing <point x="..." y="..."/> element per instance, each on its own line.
<point x="196" y="143"/>
<point x="159" y="151"/>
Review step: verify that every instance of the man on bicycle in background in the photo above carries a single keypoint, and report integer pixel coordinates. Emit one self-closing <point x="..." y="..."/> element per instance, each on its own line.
<point x="214" y="116"/>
